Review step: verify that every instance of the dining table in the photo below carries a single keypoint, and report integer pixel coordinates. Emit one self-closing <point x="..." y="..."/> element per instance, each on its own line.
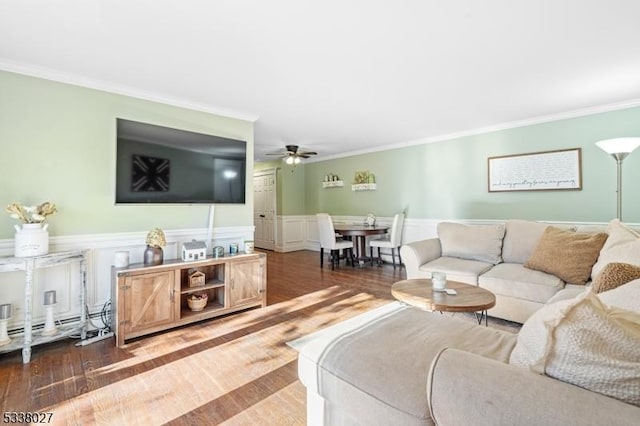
<point x="360" y="233"/>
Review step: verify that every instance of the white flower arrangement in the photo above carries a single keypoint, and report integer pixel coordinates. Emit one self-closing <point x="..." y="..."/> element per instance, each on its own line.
<point x="31" y="214"/>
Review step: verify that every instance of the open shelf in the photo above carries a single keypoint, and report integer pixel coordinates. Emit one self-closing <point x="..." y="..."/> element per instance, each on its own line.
<point x="185" y="312"/>
<point x="215" y="299"/>
<point x="214" y="277"/>
<point x="333" y="184"/>
<point x="63" y="332"/>
<point x="363" y="187"/>
<point x="213" y="284"/>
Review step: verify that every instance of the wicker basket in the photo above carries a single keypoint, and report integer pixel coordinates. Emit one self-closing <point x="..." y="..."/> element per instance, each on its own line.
<point x="197" y="302"/>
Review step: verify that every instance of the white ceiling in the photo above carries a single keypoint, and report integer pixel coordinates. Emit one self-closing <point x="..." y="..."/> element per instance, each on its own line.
<point x="340" y="76"/>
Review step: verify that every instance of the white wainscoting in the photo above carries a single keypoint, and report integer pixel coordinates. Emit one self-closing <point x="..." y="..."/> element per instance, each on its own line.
<point x="301" y="232"/>
<point x="292" y="233"/>
<point x="101" y="251"/>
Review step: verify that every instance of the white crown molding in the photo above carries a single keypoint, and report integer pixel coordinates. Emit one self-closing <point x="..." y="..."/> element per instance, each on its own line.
<point x="105" y="86"/>
<point x="488" y="129"/>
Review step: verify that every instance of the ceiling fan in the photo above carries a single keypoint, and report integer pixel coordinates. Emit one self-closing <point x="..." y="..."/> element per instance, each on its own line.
<point x="293" y="154"/>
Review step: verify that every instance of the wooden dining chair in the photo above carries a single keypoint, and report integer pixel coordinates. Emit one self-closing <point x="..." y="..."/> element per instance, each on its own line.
<point x="392" y="240"/>
<point x="328" y="240"/>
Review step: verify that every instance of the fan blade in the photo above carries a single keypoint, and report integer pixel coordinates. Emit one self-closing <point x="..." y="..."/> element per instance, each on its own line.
<point x="308" y="152"/>
<point x="282" y="154"/>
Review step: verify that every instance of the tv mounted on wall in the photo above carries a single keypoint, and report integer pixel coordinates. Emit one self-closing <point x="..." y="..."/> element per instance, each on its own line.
<point x="160" y="165"/>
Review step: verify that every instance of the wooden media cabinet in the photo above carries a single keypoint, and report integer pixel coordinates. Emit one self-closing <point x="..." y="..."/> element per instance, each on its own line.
<point x="147" y="299"/>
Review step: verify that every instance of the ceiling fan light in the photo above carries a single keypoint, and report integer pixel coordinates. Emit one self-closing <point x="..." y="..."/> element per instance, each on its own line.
<point x="296" y="160"/>
<point x="289" y="160"/>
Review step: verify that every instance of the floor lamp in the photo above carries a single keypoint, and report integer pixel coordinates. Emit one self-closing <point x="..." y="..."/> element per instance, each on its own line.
<point x="619" y="148"/>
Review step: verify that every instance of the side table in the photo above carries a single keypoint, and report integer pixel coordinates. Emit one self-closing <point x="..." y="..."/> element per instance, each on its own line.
<point x="470" y="298"/>
<point x="29" y="265"/>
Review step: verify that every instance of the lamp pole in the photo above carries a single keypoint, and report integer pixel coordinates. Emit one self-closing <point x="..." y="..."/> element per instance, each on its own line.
<point x="619" y="157"/>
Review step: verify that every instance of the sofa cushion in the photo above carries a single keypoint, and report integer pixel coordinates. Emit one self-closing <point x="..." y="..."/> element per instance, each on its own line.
<point x="614" y="275"/>
<point x="461" y="270"/>
<point x="623" y="245"/>
<point x="626" y="296"/>
<point x="473" y="242"/>
<point x="514" y="280"/>
<point x="586" y="343"/>
<point x="381" y="369"/>
<point x="520" y="240"/>
<point x="569" y="292"/>
<point x="568" y="255"/>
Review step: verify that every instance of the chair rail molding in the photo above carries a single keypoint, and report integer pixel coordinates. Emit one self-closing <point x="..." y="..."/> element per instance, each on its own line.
<point x="301" y="232"/>
<point x="101" y="252"/>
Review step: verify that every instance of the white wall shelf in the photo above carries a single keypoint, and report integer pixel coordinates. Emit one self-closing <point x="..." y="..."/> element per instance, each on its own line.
<point x="363" y="187"/>
<point x="333" y="184"/>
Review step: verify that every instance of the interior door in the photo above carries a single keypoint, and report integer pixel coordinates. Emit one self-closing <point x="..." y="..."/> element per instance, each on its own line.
<point x="264" y="205"/>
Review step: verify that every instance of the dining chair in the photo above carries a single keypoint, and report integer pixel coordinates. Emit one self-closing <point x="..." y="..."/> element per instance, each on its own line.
<point x="392" y="240"/>
<point x="329" y="241"/>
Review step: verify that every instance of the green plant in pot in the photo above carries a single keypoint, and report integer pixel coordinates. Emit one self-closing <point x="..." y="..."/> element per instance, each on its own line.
<point x="153" y="255"/>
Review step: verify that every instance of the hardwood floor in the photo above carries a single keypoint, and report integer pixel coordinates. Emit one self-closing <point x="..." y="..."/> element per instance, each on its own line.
<point x="232" y="370"/>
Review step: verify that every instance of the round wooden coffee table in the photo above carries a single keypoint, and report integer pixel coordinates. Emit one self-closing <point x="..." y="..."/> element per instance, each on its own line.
<point x="470" y="298"/>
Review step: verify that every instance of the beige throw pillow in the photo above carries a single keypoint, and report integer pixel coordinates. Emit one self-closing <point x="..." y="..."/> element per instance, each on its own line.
<point x="614" y="275"/>
<point x="626" y="296"/>
<point x="623" y="245"/>
<point x="473" y="242"/>
<point x="583" y="342"/>
<point x="567" y="255"/>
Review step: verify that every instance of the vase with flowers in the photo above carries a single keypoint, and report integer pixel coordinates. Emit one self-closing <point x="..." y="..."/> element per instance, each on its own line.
<point x="153" y="254"/>
<point x="32" y="237"/>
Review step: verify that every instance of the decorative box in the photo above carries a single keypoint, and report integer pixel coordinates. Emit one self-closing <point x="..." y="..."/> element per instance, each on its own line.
<point x="196" y="279"/>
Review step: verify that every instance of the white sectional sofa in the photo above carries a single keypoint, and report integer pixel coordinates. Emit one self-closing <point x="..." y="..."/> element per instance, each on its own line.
<point x="493" y="256"/>
<point x="398" y="365"/>
<point x="575" y="361"/>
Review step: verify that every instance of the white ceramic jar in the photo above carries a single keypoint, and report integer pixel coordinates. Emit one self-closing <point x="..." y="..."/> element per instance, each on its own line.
<point x="32" y="239"/>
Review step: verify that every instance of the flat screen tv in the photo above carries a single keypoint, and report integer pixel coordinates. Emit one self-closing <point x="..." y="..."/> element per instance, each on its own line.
<point x="160" y="165"/>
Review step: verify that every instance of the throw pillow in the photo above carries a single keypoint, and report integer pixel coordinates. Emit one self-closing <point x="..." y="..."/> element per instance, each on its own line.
<point x="583" y="342"/>
<point x="626" y="296"/>
<point x="473" y="242"/>
<point x="567" y="255"/>
<point x="623" y="245"/>
<point x="614" y="275"/>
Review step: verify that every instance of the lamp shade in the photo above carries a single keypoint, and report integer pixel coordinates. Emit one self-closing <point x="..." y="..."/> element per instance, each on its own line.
<point x="619" y="145"/>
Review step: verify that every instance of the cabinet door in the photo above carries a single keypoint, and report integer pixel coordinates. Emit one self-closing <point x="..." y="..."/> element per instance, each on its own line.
<point x="149" y="301"/>
<point x="247" y="282"/>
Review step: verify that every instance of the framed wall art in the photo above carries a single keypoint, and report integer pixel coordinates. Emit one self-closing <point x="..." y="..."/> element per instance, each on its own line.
<point x="537" y="171"/>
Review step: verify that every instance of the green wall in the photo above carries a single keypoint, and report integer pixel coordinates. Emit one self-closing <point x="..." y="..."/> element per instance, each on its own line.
<point x="448" y="180"/>
<point x="58" y="144"/>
